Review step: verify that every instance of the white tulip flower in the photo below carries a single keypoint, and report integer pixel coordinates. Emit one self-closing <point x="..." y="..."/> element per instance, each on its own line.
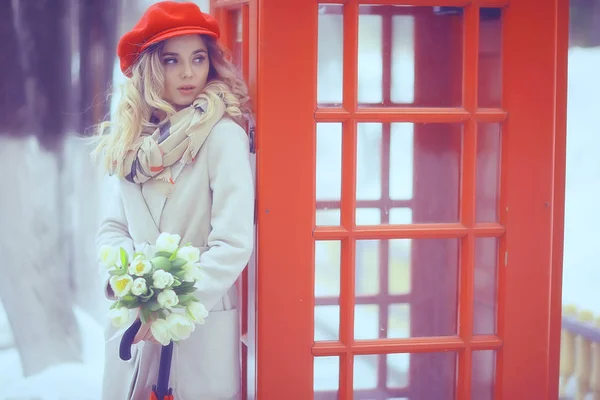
<point x="109" y="256"/>
<point x="121" y="285"/>
<point x="197" y="312"/>
<point x="119" y="316"/>
<point x="162" y="279"/>
<point x="167" y="299"/>
<point x="180" y="326"/>
<point x="189" y="253"/>
<point x="139" y="267"/>
<point x="167" y="242"/>
<point x="139" y="287"/>
<point x="192" y="272"/>
<point x="160" y="331"/>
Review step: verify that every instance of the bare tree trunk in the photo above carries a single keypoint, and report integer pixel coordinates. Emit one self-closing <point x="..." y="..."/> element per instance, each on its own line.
<point x="98" y="21"/>
<point x="12" y="95"/>
<point x="584" y="26"/>
<point x="35" y="81"/>
<point x="42" y="28"/>
<point x="35" y="281"/>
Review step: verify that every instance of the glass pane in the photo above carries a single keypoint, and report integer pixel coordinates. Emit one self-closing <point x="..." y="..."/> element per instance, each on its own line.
<point x="326" y="377"/>
<point x="399" y="256"/>
<point x="483" y="375"/>
<point x="409" y="56"/>
<point x="403" y="376"/>
<point x="403" y="59"/>
<point x="329" y="173"/>
<point x="437" y="152"/>
<point x="330" y="55"/>
<point x="433" y="376"/>
<point x="368" y="159"/>
<point x="369" y="57"/>
<point x="422" y="162"/>
<point x="397" y="370"/>
<point x="486" y="261"/>
<point x="237" y="34"/>
<point x="327" y="322"/>
<point x="488" y="171"/>
<point x="397" y="267"/>
<point x="366" y="371"/>
<point x="368" y="327"/>
<point x="368" y="216"/>
<point x="490" y="61"/>
<point x="399" y="321"/>
<point x="327" y="289"/>
<point x="400" y="216"/>
<point x="368" y="266"/>
<point x="328" y="216"/>
<point x="401" y="153"/>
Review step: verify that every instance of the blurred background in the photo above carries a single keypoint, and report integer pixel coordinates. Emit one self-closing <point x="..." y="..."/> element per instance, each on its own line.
<point x="58" y="65"/>
<point x="57" y="68"/>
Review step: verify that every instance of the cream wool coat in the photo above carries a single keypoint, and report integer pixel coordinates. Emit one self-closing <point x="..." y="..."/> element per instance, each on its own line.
<point x="210" y="205"/>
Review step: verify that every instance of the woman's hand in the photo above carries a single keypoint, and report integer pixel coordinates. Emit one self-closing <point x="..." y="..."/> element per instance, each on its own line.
<point x="144" y="333"/>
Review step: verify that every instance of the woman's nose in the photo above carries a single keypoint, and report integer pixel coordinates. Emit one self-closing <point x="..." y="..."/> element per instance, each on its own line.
<point x="187" y="71"/>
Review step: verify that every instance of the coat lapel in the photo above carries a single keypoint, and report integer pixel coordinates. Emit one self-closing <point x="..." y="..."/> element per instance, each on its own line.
<point x="155" y="194"/>
<point x="176" y="170"/>
<point x="156" y="191"/>
<point x="142" y="226"/>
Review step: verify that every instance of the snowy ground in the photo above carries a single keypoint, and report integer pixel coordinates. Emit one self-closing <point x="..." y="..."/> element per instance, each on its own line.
<point x="75" y="381"/>
<point x="581" y="272"/>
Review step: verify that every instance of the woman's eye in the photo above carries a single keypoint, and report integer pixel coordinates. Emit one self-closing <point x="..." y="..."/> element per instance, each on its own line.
<point x="169" y="61"/>
<point x="200" y="59"/>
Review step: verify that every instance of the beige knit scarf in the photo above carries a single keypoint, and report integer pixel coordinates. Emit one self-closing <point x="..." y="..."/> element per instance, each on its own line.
<point x="176" y="139"/>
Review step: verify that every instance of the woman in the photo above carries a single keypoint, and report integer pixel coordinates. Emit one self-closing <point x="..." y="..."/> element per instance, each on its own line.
<point x="182" y="159"/>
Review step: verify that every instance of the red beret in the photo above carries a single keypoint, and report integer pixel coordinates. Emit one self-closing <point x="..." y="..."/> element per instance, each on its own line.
<point x="163" y="20"/>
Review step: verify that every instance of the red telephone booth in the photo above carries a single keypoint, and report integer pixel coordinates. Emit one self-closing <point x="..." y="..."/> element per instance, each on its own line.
<point x="410" y="194"/>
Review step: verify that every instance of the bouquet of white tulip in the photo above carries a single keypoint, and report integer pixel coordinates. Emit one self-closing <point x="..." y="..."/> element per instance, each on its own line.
<point x="161" y="287"/>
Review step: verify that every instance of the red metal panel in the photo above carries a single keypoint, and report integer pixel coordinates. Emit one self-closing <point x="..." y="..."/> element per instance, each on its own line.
<point x="348" y="200"/>
<point x="467" y="202"/>
<point x="227" y="14"/>
<point x="412" y="114"/>
<point x="534" y="169"/>
<point x="286" y="203"/>
<point x="246" y="41"/>
<point x="411" y="345"/>
<point x="561" y="38"/>
<point x="252" y="79"/>
<point x="415" y="231"/>
<point x="224" y="4"/>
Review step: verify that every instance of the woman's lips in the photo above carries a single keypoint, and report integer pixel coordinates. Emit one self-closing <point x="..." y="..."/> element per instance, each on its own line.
<point x="186" y="89"/>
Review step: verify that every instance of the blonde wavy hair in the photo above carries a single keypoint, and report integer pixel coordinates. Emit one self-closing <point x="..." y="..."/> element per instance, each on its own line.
<point x="141" y="98"/>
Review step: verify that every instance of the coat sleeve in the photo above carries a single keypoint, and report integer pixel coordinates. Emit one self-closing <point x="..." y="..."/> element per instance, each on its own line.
<point x="230" y="240"/>
<point x="113" y="229"/>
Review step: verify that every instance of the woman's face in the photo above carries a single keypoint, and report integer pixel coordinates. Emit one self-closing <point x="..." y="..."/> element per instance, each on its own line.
<point x="186" y="65"/>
